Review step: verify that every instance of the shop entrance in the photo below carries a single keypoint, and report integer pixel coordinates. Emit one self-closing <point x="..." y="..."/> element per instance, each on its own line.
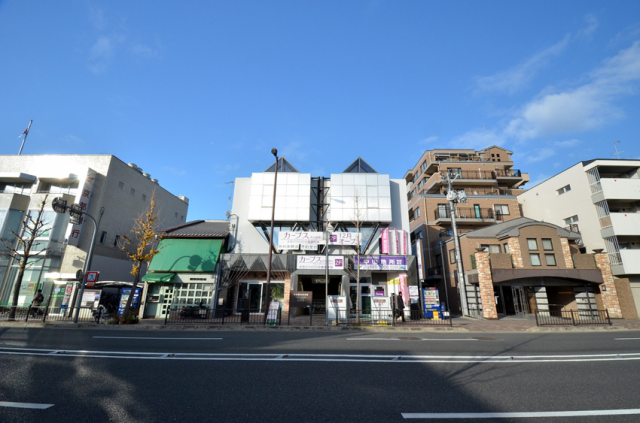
<point x="514" y="300"/>
<point x="317" y="285"/>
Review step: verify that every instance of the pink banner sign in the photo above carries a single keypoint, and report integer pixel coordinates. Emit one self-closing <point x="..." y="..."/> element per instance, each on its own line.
<point x="385" y="241"/>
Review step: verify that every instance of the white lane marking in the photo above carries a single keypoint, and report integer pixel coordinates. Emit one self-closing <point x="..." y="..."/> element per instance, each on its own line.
<point x="534" y="414"/>
<point x="321" y="357"/>
<point x="625" y="339"/>
<point x="25" y="405"/>
<point x="149" y="337"/>
<point x="399" y="339"/>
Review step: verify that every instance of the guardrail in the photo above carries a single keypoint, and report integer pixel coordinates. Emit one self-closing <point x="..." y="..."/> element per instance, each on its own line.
<point x="573" y="318"/>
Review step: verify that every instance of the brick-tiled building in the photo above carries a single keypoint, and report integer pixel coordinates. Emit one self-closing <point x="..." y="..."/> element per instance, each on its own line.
<point x="491" y="184"/>
<point x="523" y="265"/>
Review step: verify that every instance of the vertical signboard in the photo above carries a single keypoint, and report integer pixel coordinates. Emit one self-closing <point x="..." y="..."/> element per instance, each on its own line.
<point x="83" y="198"/>
<point x="393" y="242"/>
<point x="404" y="243"/>
<point x="385" y="241"/>
<point x="419" y="256"/>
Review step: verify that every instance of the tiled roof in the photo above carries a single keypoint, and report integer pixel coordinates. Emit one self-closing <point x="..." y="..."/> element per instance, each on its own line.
<point x="511" y="228"/>
<point x="198" y="229"/>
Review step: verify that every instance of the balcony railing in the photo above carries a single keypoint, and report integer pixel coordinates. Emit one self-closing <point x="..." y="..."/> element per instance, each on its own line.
<point x="474" y="174"/>
<point x="508" y="173"/>
<point x="465" y="213"/>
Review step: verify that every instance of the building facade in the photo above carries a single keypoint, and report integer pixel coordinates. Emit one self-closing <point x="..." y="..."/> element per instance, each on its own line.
<point x="113" y="192"/>
<point x="600" y="199"/>
<point x="523" y="265"/>
<point x="308" y="210"/>
<point x="491" y="184"/>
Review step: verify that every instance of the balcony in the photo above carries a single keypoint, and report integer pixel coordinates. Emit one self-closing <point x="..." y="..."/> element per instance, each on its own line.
<point x="620" y="224"/>
<point x="511" y="176"/>
<point x="615" y="189"/>
<point x="435" y="183"/>
<point x="625" y="262"/>
<point x="466" y="216"/>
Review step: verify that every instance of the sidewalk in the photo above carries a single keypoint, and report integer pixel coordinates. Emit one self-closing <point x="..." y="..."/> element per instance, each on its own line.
<point x="460" y="324"/>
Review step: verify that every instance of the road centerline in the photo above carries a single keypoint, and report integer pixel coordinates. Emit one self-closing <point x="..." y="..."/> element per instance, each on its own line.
<point x="150" y="337"/>
<point x="31" y="405"/>
<point x="512" y="415"/>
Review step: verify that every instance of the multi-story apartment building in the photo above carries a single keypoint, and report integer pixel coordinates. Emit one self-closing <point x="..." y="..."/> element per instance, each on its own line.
<point x="492" y="186"/>
<point x="600" y="199"/>
<point x="306" y="208"/>
<point x="113" y="192"/>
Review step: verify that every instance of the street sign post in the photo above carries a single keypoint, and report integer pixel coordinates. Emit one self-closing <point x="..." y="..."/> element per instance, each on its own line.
<point x="91" y="278"/>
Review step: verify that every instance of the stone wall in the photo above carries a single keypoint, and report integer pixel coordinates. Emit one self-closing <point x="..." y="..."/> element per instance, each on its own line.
<point x="486" y="286"/>
<point x="516" y="252"/>
<point x="625" y="297"/>
<point x="608" y="288"/>
<point x="566" y="252"/>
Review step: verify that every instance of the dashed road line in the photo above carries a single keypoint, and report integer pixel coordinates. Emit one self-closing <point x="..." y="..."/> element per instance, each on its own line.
<point x="520" y="415"/>
<point x="25" y="405"/>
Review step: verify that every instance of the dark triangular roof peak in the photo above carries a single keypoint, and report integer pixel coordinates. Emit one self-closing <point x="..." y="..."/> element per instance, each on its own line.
<point x="283" y="166"/>
<point x="359" y="166"/>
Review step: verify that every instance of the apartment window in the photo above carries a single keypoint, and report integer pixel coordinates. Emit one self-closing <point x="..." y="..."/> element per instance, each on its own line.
<point x="421" y="183"/>
<point x="501" y="209"/>
<point x="412" y="193"/>
<point x="498" y="155"/>
<point x="535" y="259"/>
<point x="120" y="185"/>
<point x="182" y="217"/>
<point x="532" y="243"/>
<point x="550" y="259"/>
<point x="547" y="245"/>
<point x="493" y="249"/>
<point x="103" y="237"/>
<point x="452" y="256"/>
<point x="506" y="248"/>
<point x="133" y="191"/>
<point x="424" y="165"/>
<point x="12" y="188"/>
<point x="144" y="197"/>
<point x="176" y="215"/>
<point x="564" y="189"/>
<point x="570" y="220"/>
<point x="116" y="241"/>
<point x="456" y="171"/>
<point x="493" y="155"/>
<point x="417" y="212"/>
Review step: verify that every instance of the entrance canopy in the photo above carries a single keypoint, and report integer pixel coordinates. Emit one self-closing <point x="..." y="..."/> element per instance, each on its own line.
<point x="536" y="277"/>
<point x="186" y="255"/>
<point x="158" y="277"/>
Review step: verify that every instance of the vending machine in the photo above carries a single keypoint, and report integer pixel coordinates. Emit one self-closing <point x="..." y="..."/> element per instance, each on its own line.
<point x="431" y="301"/>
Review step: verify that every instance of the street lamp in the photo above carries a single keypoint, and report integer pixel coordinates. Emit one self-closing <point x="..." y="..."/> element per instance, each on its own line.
<point x="273" y="212"/>
<point x="75" y="211"/>
<point x="457" y="197"/>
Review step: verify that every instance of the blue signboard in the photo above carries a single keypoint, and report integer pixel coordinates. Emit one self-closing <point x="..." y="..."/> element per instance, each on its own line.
<point x="124" y="296"/>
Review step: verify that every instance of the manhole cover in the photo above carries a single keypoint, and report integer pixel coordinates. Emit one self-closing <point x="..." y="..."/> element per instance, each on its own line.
<point x="408" y="338"/>
<point x="481" y="338"/>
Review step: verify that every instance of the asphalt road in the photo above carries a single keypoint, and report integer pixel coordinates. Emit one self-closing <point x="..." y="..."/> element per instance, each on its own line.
<point x="128" y="376"/>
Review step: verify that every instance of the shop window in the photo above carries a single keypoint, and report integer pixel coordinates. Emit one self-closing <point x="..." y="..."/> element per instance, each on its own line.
<point x="532" y="243"/>
<point x="535" y="259"/>
<point x="547" y="245"/>
<point x="550" y="259"/>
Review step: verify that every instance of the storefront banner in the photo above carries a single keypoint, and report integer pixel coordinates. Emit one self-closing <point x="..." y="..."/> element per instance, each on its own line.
<point x="419" y="256"/>
<point x="344" y="238"/>
<point x="83" y="201"/>
<point x="288" y="240"/>
<point x="67" y="295"/>
<point x="320" y="262"/>
<point x="404" y="243"/>
<point x="385" y="241"/>
<point x="381" y="262"/>
<point x="272" y="314"/>
<point x="379" y="291"/>
<point x="124" y="296"/>
<point x="393" y="242"/>
<point x="403" y="288"/>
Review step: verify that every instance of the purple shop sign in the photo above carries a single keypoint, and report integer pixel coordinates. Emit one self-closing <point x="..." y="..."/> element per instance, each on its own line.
<point x="381" y="262"/>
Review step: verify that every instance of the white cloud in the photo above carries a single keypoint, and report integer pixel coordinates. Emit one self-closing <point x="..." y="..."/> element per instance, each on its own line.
<point x="539" y="155"/>
<point x="429" y="140"/>
<point x="584" y="108"/>
<point x="567" y="143"/>
<point x="514" y="79"/>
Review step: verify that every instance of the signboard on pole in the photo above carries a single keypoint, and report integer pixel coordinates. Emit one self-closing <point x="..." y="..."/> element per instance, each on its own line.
<point x="385" y="241"/>
<point x="419" y="257"/>
<point x="272" y="314"/>
<point x="381" y="262"/>
<point x="90" y="279"/>
<point x="83" y="202"/>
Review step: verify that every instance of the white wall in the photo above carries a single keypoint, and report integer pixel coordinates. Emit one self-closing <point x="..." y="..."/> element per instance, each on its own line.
<point x="620" y="189"/>
<point x="248" y="239"/>
<point x="543" y="203"/>
<point x="626" y="223"/>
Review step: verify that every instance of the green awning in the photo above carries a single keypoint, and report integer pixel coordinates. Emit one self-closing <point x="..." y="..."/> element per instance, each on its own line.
<point x="186" y="255"/>
<point x="158" y="277"/>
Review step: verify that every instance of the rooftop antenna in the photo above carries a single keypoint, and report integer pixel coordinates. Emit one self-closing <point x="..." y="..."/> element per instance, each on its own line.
<point x="617" y="153"/>
<point x="230" y="194"/>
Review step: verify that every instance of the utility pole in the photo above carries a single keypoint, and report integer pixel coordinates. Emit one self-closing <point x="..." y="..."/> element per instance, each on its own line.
<point x="457" y="197"/>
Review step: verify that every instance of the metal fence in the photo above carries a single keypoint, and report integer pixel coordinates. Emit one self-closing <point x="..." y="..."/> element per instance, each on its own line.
<point x="305" y="317"/>
<point x="54" y="314"/>
<point x="573" y="318"/>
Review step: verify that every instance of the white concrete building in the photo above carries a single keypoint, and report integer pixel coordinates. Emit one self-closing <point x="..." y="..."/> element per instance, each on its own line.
<point x="111" y="191"/>
<point x="307" y="205"/>
<point x="601" y="198"/>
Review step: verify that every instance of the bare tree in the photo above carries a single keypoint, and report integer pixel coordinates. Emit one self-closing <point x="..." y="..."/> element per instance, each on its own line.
<point x="21" y="248"/>
<point x="139" y="246"/>
<point x="353" y="268"/>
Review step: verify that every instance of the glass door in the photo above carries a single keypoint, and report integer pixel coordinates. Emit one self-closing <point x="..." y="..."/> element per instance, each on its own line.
<point x="476" y="209"/>
<point x="255" y="297"/>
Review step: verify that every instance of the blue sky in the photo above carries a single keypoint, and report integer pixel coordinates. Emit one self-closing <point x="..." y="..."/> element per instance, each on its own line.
<point x="197" y="93"/>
